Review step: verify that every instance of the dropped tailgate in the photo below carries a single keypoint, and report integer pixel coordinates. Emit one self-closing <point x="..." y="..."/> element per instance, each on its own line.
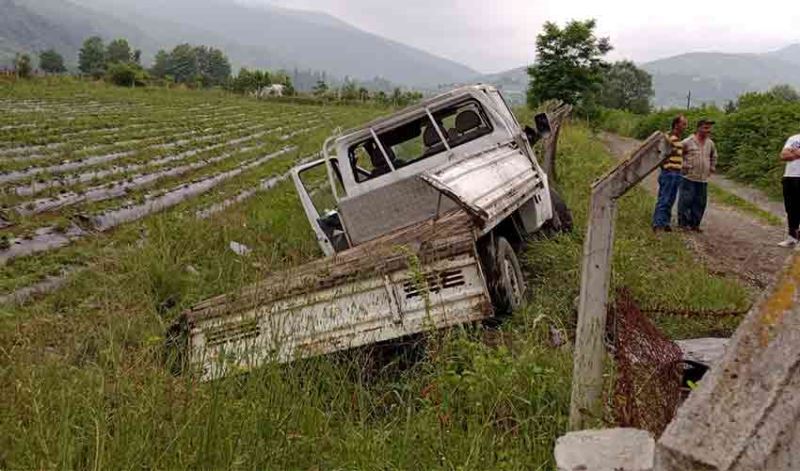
<point x="491" y="184"/>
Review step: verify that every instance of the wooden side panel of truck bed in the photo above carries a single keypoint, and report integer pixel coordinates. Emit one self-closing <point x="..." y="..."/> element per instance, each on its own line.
<point x="423" y="277"/>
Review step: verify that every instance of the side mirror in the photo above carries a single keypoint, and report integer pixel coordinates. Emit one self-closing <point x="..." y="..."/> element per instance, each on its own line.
<point x="542" y="123"/>
<point x="542" y="130"/>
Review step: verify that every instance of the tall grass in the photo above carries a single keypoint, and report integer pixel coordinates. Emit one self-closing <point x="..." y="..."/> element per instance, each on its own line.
<point x="85" y="382"/>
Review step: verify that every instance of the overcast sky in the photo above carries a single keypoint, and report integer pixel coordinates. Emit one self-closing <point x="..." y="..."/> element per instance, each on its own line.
<point x="496" y="35"/>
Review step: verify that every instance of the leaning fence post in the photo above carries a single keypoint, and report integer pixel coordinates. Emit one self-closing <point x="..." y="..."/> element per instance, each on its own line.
<point x="550" y="143"/>
<point x="587" y="374"/>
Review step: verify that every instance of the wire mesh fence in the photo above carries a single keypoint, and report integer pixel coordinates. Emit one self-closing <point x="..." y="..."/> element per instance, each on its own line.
<point x="647" y="389"/>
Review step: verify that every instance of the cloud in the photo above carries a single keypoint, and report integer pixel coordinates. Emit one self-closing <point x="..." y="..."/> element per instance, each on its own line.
<point x="492" y="36"/>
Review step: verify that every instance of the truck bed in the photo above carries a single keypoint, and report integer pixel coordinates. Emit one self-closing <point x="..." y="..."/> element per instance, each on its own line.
<point x="422" y="277"/>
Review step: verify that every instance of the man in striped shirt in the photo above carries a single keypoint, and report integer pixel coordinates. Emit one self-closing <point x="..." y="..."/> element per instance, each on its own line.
<point x="670" y="178"/>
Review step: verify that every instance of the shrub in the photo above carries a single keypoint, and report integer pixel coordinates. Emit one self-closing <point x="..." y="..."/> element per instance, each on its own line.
<point x="125" y="75"/>
<point x="662" y="120"/>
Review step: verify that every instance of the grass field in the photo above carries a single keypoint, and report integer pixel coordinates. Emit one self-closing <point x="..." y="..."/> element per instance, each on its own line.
<point x="83" y="377"/>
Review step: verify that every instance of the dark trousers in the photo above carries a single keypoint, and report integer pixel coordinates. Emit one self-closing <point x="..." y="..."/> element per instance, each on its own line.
<point x="669" y="181"/>
<point x="692" y="203"/>
<point x="791" y="201"/>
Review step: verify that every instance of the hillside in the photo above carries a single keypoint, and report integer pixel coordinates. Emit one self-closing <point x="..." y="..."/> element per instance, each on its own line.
<point x="34" y="25"/>
<point x="717" y="77"/>
<point x="267" y="36"/>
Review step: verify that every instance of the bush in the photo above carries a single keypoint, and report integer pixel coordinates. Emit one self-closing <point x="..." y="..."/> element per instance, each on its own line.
<point x="662" y="120"/>
<point x="125" y="75"/>
<point x="617" y="121"/>
<point x="750" y="140"/>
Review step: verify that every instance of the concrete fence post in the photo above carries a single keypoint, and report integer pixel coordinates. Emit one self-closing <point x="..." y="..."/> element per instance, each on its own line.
<point x="587" y="376"/>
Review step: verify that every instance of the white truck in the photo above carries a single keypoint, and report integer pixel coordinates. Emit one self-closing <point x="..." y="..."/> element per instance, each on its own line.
<point x="419" y="215"/>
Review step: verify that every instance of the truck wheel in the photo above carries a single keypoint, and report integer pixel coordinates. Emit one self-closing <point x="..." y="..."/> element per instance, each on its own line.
<point x="562" y="216"/>
<point x="509" y="282"/>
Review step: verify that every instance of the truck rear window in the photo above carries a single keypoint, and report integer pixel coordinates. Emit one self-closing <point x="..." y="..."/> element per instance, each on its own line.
<point x="419" y="139"/>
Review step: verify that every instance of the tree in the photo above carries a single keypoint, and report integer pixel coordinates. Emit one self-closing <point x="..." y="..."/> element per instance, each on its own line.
<point x="92" y="57"/>
<point x="626" y="87"/>
<point x="569" y="64"/>
<point x="160" y="67"/>
<point x="119" y="52"/>
<point x="212" y="66"/>
<point x="124" y="74"/>
<point x="183" y="64"/>
<point x="51" y="62"/>
<point x="785" y="93"/>
<point x="22" y="64"/>
<point x="321" y="88"/>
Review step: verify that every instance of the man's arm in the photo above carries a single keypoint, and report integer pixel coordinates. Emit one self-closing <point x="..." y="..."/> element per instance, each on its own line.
<point x="787" y="155"/>
<point x="713" y="157"/>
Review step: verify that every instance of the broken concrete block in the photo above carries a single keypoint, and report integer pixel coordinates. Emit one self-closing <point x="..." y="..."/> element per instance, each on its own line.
<point x="706" y="350"/>
<point x="615" y="449"/>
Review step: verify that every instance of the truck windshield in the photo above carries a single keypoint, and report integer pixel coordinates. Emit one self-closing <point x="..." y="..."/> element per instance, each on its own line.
<point x="419" y="139"/>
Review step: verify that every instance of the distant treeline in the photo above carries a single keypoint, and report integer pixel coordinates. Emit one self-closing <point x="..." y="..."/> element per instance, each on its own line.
<point x="200" y="66"/>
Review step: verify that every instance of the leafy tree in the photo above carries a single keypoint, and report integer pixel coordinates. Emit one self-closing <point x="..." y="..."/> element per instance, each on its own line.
<point x="626" y="87"/>
<point x="125" y="74"/>
<point x="51" y="62"/>
<point x="777" y="95"/>
<point x="212" y="66"/>
<point x="320" y="89"/>
<point x="92" y="57"/>
<point x="785" y="93"/>
<point x="349" y="90"/>
<point x="569" y="64"/>
<point x="160" y="67"/>
<point x="182" y="64"/>
<point x="22" y="64"/>
<point x="118" y="51"/>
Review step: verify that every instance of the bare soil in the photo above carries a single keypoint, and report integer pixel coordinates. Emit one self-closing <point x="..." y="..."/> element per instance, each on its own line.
<point x="732" y="243"/>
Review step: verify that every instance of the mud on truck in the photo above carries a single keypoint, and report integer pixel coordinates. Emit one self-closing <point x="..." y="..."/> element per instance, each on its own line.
<point x="420" y="216"/>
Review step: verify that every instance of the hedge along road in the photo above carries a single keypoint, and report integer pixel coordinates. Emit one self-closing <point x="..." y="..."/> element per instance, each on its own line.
<point x="732" y="242"/>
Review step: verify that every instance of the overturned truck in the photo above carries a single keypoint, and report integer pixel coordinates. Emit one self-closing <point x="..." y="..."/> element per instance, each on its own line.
<point x="420" y="215"/>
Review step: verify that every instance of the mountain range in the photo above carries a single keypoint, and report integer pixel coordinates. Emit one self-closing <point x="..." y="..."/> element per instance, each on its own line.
<point x="272" y="37"/>
<point x="263" y="36"/>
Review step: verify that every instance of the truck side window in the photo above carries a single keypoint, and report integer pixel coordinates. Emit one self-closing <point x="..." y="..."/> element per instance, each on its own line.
<point x="418" y="139"/>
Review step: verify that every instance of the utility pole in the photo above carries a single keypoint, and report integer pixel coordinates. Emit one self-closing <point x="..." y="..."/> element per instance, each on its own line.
<point x="689" y="100"/>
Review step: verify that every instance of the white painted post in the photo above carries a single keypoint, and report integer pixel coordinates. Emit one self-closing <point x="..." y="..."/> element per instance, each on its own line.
<point x="587" y="375"/>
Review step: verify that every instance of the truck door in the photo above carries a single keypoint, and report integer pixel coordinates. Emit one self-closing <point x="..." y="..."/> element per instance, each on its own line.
<point x="313" y="187"/>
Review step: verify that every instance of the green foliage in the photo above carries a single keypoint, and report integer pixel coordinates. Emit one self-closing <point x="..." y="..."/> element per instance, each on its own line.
<point x="750" y="140"/>
<point x="22" y="64"/>
<point x="125" y="74"/>
<point x="92" y="57"/>
<point x="51" y="62"/>
<point x="119" y="52"/>
<point x="569" y="64"/>
<point x="617" y="121"/>
<point x="662" y="120"/>
<point x="777" y="95"/>
<point x="193" y="65"/>
<point x="626" y="87"/>
<point x="320" y="89"/>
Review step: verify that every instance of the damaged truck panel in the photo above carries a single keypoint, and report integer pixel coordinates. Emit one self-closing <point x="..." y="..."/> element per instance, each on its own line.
<point x="491" y="184"/>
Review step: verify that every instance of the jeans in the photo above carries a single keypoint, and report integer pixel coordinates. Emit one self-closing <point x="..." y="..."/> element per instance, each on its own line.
<point x="791" y="201"/>
<point x="692" y="203"/>
<point x="668" y="183"/>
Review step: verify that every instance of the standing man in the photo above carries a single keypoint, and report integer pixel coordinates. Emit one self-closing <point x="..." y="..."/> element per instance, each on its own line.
<point x="791" y="188"/>
<point x="699" y="162"/>
<point x="670" y="178"/>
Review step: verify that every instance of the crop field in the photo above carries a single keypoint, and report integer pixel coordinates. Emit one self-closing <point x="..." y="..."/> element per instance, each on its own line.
<point x="80" y="164"/>
<point x="128" y="202"/>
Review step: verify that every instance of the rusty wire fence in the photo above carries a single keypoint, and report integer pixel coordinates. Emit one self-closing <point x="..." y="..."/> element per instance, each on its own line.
<point x="649" y="379"/>
<point x="647" y="388"/>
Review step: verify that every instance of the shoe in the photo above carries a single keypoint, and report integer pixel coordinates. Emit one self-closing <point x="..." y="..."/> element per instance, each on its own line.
<point x="789" y="243"/>
<point x="667" y="229"/>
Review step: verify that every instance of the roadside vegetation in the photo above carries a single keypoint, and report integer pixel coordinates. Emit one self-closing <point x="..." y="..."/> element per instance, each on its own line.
<point x="86" y="381"/>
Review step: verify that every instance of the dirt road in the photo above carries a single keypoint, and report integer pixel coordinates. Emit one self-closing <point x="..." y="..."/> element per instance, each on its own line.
<point x="731" y="242"/>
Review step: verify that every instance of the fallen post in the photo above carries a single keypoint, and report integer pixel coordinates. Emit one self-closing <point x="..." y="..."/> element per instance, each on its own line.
<point x="587" y="377"/>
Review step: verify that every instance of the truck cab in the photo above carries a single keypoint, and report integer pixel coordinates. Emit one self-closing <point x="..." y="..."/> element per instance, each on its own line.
<point x="461" y="149"/>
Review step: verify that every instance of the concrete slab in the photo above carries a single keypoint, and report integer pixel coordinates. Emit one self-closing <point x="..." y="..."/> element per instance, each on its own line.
<point x="745" y="414"/>
<point x="615" y="449"/>
<point x="707" y="351"/>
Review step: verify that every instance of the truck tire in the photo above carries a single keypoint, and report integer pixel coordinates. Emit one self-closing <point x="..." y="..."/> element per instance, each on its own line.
<point x="562" y="216"/>
<point x="508" y="280"/>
